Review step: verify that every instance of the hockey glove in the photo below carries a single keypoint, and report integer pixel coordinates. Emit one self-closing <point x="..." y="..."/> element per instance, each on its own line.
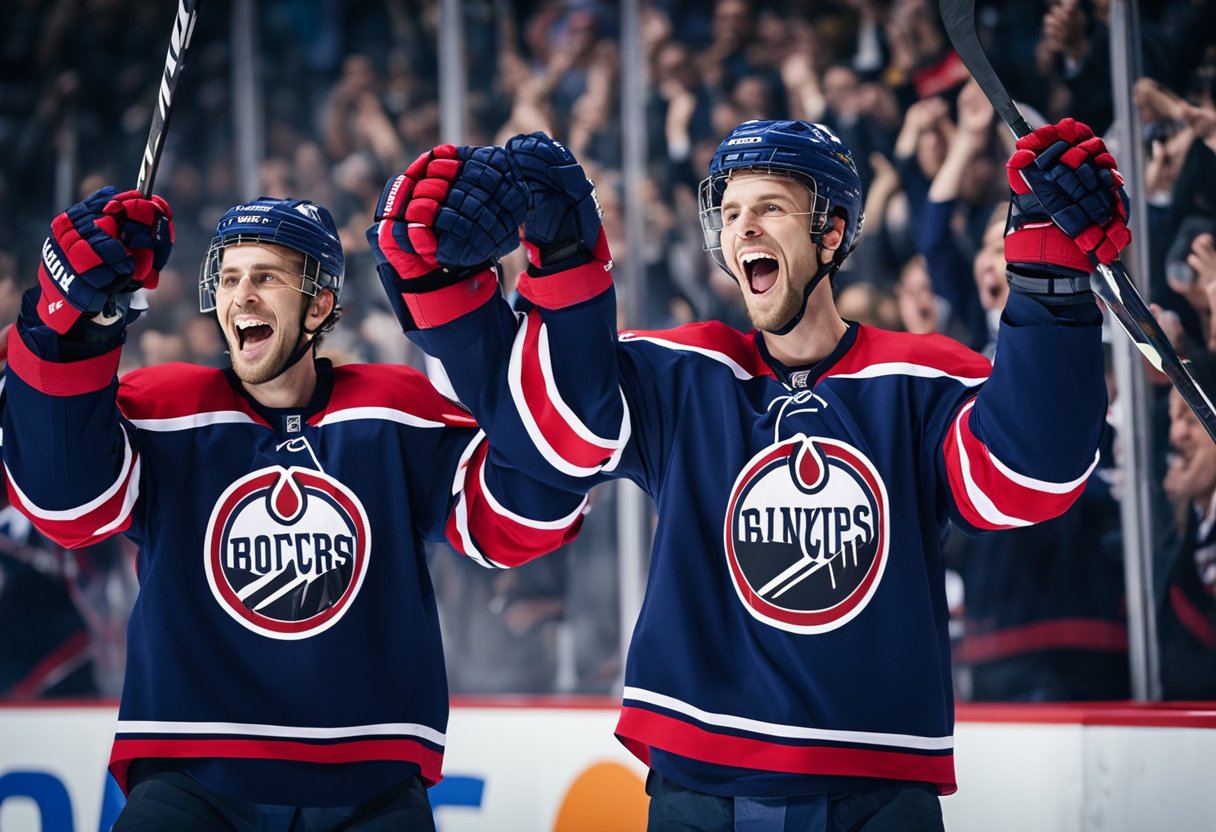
<point x="562" y="230"/>
<point x="99" y="252"/>
<point x="439" y="228"/>
<point x="1068" y="212"/>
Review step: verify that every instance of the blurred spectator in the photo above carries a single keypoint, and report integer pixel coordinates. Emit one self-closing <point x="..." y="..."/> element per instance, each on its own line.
<point x="946" y="235"/>
<point x="1187" y="620"/>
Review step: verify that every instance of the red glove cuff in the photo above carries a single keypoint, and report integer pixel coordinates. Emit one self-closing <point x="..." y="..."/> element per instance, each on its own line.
<point x="442" y="306"/>
<point x="573" y="286"/>
<point x="1044" y="242"/>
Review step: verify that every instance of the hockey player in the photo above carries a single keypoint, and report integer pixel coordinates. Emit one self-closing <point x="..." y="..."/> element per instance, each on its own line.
<point x="790" y="667"/>
<point x="284" y="666"/>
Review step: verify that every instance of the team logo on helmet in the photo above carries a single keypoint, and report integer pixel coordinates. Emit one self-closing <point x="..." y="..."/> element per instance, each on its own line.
<point x="806" y="534"/>
<point x="286" y="551"/>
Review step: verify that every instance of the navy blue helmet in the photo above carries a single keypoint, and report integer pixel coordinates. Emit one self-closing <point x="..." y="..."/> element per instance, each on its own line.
<point x="808" y="153"/>
<point x="296" y="224"/>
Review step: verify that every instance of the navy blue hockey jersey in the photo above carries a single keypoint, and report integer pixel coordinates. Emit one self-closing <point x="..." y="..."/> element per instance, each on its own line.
<point x="793" y="635"/>
<point x="286" y="620"/>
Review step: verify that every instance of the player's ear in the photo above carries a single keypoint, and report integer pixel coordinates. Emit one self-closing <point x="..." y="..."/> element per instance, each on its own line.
<point x="833" y="234"/>
<point x="319" y="307"/>
<point x="831" y="239"/>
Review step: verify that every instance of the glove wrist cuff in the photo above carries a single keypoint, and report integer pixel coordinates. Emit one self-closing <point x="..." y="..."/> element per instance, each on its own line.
<point x="443" y="296"/>
<point x="1044" y="243"/>
<point x="1059" y="287"/>
<point x="559" y="289"/>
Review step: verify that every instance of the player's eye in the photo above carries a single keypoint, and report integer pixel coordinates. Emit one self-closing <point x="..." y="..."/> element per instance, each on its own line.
<point x="730" y="216"/>
<point x="229" y="281"/>
<point x="772" y="210"/>
<point x="269" y="279"/>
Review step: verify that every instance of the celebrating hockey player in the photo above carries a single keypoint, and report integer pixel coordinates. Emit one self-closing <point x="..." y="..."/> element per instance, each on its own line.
<point x="283" y="656"/>
<point x="790" y="668"/>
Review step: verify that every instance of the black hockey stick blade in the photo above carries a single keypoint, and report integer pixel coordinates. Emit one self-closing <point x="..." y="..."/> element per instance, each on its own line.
<point x="1110" y="283"/>
<point x="959" y="19"/>
<point x="183" y="28"/>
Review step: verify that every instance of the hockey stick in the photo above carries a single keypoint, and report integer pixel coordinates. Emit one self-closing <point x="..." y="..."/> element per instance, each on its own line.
<point x="1110" y="283"/>
<point x="179" y="42"/>
<point x="183" y="28"/>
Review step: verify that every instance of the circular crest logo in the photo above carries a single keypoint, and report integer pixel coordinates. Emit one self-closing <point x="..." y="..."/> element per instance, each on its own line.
<point x="286" y="551"/>
<point x="806" y="534"/>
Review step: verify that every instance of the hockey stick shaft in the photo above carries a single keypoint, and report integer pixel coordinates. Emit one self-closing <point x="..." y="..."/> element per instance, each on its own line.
<point x="183" y="28"/>
<point x="1110" y="282"/>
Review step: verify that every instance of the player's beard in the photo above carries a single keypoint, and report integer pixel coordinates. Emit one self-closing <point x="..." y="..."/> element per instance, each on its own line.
<point x="271" y="363"/>
<point x="769" y="312"/>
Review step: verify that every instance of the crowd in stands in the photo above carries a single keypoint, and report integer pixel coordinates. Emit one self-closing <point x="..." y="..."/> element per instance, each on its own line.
<point x="350" y="95"/>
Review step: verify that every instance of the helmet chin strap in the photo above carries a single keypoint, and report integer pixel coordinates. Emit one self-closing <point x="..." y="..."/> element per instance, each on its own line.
<point x="302" y="348"/>
<point x="825" y="269"/>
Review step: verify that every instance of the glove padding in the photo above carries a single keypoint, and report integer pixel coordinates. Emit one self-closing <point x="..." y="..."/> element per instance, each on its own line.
<point x="439" y="227"/>
<point x="562" y="230"/>
<point x="99" y="252"/>
<point x="1065" y="170"/>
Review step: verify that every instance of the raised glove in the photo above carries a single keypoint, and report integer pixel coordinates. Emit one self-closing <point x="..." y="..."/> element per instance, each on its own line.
<point x="99" y="252"/>
<point x="562" y="229"/>
<point x="1068" y="212"/>
<point x="439" y="228"/>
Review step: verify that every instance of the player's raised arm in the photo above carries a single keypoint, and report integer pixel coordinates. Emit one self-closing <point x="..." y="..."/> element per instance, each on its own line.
<point x="440" y="228"/>
<point x="544" y="385"/>
<point x="1022" y="450"/>
<point x="71" y="463"/>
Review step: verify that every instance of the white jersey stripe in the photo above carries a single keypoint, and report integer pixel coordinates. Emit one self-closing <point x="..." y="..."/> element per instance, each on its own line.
<point x="69" y="514"/>
<point x="545" y="525"/>
<point x="194" y="420"/>
<point x="982" y="502"/>
<point x="515" y="382"/>
<point x="555" y="397"/>
<point x="720" y="357"/>
<point x="797" y="732"/>
<point x="386" y="414"/>
<point x="903" y="368"/>
<point x="384" y="729"/>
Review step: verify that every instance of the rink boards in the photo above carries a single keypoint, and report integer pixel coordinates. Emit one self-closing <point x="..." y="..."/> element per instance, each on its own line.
<point x="553" y="766"/>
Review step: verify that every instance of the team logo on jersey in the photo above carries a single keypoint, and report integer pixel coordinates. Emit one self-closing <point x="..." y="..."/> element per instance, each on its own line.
<point x="286" y="551"/>
<point x="806" y="534"/>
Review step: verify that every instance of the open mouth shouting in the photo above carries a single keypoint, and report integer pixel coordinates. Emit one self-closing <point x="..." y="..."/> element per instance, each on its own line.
<point x="253" y="336"/>
<point x="761" y="270"/>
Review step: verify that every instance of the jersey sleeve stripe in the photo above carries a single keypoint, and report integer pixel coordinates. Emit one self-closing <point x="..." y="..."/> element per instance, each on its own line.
<point x="480" y="524"/>
<point x="102" y="516"/>
<point x="457" y="527"/>
<point x="989" y="495"/>
<point x="557" y="433"/>
<point x="498" y="510"/>
<point x="53" y="378"/>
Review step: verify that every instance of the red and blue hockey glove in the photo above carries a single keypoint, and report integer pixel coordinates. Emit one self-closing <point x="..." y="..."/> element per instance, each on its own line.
<point x="562" y="229"/>
<point x="439" y="228"/>
<point x="1068" y="212"/>
<point x="99" y="252"/>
